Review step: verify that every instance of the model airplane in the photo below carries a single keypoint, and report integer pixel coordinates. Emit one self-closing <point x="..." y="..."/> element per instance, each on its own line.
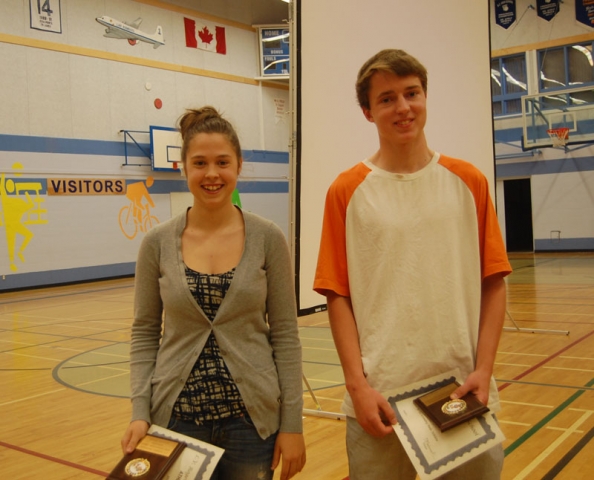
<point x="129" y="31"/>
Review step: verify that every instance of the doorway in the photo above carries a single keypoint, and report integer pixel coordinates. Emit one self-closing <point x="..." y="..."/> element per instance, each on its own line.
<point x="518" y="215"/>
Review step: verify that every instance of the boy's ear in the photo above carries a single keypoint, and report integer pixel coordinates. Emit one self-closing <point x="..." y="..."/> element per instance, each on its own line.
<point x="367" y="114"/>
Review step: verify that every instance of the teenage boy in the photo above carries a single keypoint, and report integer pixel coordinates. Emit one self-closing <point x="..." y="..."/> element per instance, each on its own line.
<point x="412" y="264"/>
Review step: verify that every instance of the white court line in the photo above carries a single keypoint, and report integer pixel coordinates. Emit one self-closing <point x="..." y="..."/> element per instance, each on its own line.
<point x="324" y="322"/>
<point x="525" y="404"/>
<point x="577" y="358"/>
<point x="101" y="379"/>
<point x="319" y="348"/>
<point x="323" y="381"/>
<point x="552" y="447"/>
<point x="92" y="365"/>
<point x="559" y="429"/>
<point x="87" y="352"/>
<point x="523" y="354"/>
<point x="320" y="339"/>
<point x="580" y="410"/>
<point x="31" y="356"/>
<point x="31" y="397"/>
<point x="12" y="342"/>
<point x="513" y="364"/>
<point x="306" y="394"/>
<point x="508" y="422"/>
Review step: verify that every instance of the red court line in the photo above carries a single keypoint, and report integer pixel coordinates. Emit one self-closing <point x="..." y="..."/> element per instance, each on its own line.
<point x="54" y="459"/>
<point x="548" y="359"/>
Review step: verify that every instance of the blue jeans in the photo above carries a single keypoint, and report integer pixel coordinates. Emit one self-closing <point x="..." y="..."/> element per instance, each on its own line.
<point x="246" y="455"/>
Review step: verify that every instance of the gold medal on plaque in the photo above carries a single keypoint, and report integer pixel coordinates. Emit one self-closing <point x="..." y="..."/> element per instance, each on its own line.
<point x="454" y="407"/>
<point x="137" y="467"/>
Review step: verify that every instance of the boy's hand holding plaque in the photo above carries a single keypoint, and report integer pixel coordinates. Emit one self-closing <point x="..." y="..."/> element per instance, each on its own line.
<point x="447" y="413"/>
<point x="150" y="461"/>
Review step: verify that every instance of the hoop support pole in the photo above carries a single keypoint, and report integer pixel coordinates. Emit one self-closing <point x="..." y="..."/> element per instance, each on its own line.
<point x="516" y="328"/>
<point x="318" y="412"/>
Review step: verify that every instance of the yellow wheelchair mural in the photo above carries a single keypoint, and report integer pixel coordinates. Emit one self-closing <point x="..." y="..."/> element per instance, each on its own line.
<point x="21" y="206"/>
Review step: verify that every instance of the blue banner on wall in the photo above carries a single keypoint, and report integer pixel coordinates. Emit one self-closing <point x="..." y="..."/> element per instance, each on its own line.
<point x="547" y="9"/>
<point x="584" y="12"/>
<point x="505" y="12"/>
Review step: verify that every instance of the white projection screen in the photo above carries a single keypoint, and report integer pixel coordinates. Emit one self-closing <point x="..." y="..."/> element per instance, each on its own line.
<point x="333" y="39"/>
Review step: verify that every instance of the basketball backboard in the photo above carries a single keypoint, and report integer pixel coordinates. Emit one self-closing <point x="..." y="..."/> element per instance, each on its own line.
<point x="568" y="108"/>
<point x="166" y="145"/>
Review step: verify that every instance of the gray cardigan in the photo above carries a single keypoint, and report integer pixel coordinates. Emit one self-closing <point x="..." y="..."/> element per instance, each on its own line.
<point x="255" y="327"/>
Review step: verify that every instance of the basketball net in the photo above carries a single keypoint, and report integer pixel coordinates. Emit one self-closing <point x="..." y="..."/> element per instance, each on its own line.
<point x="559" y="136"/>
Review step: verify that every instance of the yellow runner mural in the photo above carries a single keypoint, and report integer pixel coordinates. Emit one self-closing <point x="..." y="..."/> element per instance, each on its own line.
<point x="19" y="210"/>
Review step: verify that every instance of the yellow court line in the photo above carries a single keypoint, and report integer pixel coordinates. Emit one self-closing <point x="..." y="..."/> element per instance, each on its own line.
<point x="571" y="369"/>
<point x="31" y="397"/>
<point x="524" y="404"/>
<point x="552" y="447"/>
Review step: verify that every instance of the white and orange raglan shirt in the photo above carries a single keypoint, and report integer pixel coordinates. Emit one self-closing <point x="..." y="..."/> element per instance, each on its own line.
<point x="410" y="250"/>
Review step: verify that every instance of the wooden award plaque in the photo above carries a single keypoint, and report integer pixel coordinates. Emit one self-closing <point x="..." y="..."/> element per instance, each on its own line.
<point x="150" y="461"/>
<point x="447" y="413"/>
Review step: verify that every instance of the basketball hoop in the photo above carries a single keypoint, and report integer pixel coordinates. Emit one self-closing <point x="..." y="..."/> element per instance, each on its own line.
<point x="559" y="136"/>
<point x="175" y="165"/>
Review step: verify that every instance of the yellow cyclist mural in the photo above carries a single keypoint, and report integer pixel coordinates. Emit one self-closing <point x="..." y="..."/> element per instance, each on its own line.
<point x="137" y="214"/>
<point x="19" y="210"/>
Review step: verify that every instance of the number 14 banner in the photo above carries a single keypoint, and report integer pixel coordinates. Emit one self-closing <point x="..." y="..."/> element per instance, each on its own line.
<point x="46" y="15"/>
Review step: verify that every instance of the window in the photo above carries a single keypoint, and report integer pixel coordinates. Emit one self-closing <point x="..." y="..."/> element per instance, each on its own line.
<point x="564" y="68"/>
<point x="508" y="84"/>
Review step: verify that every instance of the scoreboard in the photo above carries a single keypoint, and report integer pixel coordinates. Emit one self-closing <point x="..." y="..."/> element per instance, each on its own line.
<point x="274" y="51"/>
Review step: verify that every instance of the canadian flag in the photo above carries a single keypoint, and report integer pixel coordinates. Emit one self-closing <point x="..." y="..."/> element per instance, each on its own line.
<point x="204" y="35"/>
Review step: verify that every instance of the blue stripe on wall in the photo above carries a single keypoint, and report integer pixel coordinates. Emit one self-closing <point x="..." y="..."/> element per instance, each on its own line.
<point x="24" y="143"/>
<point x="544" y="167"/>
<point x="168" y="186"/>
<point x="70" y="275"/>
<point x="578" y="244"/>
<point x="263" y="187"/>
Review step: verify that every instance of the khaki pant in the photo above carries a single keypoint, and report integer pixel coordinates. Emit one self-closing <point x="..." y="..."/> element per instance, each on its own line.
<point x="372" y="458"/>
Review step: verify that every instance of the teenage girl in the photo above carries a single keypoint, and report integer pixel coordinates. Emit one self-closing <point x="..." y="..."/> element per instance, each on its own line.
<point x="215" y="352"/>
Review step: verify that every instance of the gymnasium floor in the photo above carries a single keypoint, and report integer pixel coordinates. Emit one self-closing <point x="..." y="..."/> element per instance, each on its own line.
<point x="64" y="377"/>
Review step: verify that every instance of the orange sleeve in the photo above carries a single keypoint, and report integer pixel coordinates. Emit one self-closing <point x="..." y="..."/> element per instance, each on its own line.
<point x="492" y="249"/>
<point x="332" y="270"/>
